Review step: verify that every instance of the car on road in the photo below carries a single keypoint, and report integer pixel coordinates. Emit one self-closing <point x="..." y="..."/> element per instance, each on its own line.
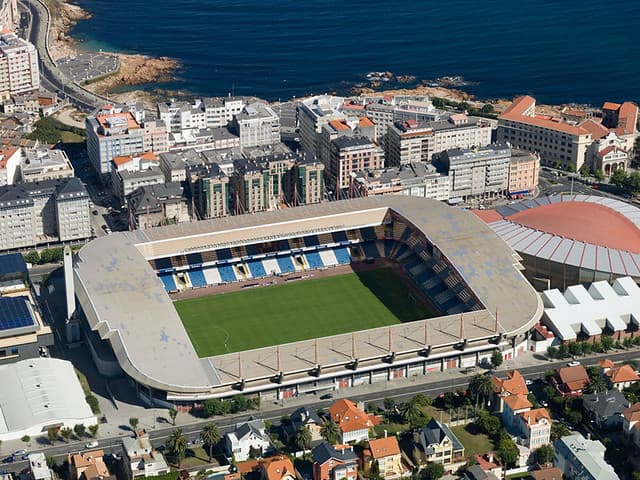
<point x="326" y="396"/>
<point x="92" y="444"/>
<point x="9" y="459"/>
<point x="595" y="187"/>
<point x="528" y="382"/>
<point x="573" y="363"/>
<point x="19" y="453"/>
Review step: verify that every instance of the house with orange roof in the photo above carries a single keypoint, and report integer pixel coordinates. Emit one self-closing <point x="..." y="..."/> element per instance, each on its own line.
<point x="278" y="468"/>
<point x="541" y="338"/>
<point x="631" y="423"/>
<point x="514" y="384"/>
<point x="558" y="142"/>
<point x="88" y="465"/>
<point x="130" y="172"/>
<point x="353" y="422"/>
<point x="532" y="425"/>
<point x="9" y="165"/>
<point x="386" y="453"/>
<point x="620" y="377"/>
<point x="488" y="463"/>
<point x="570" y="381"/>
<point x="621" y="118"/>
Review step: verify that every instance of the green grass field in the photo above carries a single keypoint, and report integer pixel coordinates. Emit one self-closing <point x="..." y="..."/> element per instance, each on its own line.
<point x="300" y="310"/>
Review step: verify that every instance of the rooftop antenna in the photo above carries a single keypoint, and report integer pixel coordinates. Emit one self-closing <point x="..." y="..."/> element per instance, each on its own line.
<point x="461" y="328"/>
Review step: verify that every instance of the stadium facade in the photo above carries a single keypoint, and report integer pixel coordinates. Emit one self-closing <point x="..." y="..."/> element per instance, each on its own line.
<point x="471" y="276"/>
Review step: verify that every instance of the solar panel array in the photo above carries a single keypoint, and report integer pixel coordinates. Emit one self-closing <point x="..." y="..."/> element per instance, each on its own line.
<point x="15" y="313"/>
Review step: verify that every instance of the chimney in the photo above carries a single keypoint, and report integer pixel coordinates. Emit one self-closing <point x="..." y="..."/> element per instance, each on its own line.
<point x="588" y="436"/>
<point x="385" y="433"/>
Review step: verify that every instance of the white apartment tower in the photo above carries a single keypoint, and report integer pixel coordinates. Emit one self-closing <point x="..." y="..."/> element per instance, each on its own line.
<point x="19" y="71"/>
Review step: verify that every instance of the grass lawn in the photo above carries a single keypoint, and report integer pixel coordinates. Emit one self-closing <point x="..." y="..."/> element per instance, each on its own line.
<point x="473" y="441"/>
<point x="299" y="310"/>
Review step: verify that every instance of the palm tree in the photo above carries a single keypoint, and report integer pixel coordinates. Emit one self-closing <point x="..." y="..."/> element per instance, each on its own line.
<point x="66" y="433"/>
<point x="303" y="439"/>
<point x="210" y="436"/>
<point x="177" y="445"/>
<point x="173" y="413"/>
<point x="597" y="385"/>
<point x="410" y="412"/>
<point x="133" y="422"/>
<point x="482" y="387"/>
<point x="330" y="432"/>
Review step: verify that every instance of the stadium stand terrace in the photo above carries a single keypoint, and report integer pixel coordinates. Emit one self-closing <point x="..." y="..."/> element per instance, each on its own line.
<point x="469" y="273"/>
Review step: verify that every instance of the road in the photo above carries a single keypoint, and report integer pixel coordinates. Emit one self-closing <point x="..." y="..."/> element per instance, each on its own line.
<point x="52" y="78"/>
<point x="458" y="381"/>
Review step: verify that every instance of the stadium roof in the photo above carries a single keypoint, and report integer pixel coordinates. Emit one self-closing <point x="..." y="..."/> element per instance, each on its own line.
<point x="125" y="302"/>
<point x="596" y="233"/>
<point x="39" y="392"/>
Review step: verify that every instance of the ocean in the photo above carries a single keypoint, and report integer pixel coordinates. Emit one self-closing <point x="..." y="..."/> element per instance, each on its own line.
<point x="579" y="51"/>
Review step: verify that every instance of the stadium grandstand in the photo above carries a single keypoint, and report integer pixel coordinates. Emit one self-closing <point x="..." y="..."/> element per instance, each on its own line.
<point x="124" y="284"/>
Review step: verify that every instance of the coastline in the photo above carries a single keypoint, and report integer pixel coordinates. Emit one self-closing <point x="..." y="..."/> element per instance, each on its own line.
<point x="135" y="69"/>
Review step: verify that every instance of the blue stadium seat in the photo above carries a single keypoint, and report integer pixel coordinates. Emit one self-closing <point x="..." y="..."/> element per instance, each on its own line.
<point x="197" y="278"/>
<point x="256" y="268"/>
<point x="227" y="274"/>
<point x="370" y="250"/>
<point x="314" y="260"/>
<point x="342" y="255"/>
<point x="168" y="281"/>
<point x="285" y="264"/>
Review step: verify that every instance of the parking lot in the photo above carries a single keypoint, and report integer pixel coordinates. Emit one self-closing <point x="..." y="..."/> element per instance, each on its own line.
<point x="87" y="66"/>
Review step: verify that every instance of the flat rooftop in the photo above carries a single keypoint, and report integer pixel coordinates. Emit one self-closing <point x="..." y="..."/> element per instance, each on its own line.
<point x="126" y="303"/>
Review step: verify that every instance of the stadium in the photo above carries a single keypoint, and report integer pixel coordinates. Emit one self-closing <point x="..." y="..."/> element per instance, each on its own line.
<point x="302" y="300"/>
<point x="565" y="240"/>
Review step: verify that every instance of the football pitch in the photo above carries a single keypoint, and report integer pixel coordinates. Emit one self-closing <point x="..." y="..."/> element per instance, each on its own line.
<point x="299" y="310"/>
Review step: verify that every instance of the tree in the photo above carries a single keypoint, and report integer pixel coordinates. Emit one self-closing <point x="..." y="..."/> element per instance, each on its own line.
<point x="607" y="342"/>
<point x="599" y="174"/>
<point x="52" y="434"/>
<point x="558" y="430"/>
<point x="79" y="430"/>
<point x="563" y="351"/>
<point x="488" y="423"/>
<point x="496" y="358"/>
<point x="215" y="406"/>
<point x="507" y="450"/>
<point x="411" y="413"/>
<point x="26" y="438"/>
<point x="32" y="257"/>
<point x="543" y="455"/>
<point x="575" y="348"/>
<point x="389" y="406"/>
<point x="66" y="433"/>
<point x="584" y="170"/>
<point x="552" y="352"/>
<point x="177" y="445"/>
<point x="481" y="387"/>
<point x="597" y="385"/>
<point x="618" y="178"/>
<point x="303" y="439"/>
<point x="433" y="471"/>
<point x="487" y="108"/>
<point x="239" y="403"/>
<point x="133" y="422"/>
<point x="330" y="432"/>
<point x="423" y="400"/>
<point x="632" y="183"/>
<point x="173" y="413"/>
<point x="93" y="429"/>
<point x="210" y="436"/>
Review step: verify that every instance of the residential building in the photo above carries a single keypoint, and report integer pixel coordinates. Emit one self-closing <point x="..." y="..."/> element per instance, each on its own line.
<point x="88" y="465"/>
<point x="121" y="131"/>
<point x="205" y="139"/>
<point x="44" y="164"/>
<point x="10" y="165"/>
<point x="129" y="172"/>
<point x="481" y="172"/>
<point x="219" y="111"/>
<point x="622" y="119"/>
<point x="304" y="418"/>
<point x="353" y="422"/>
<point x="582" y="459"/>
<point x="38" y="467"/>
<point x="19" y="72"/>
<point x="439" y="444"/>
<point x="476" y="472"/>
<point x="556" y="141"/>
<point x="43" y="212"/>
<point x="414" y="141"/>
<point x="37" y="393"/>
<point x="618" y="377"/>
<point x="349" y="155"/>
<point x="631" y="423"/>
<point x="346" y="127"/>
<point x="247" y="436"/>
<point x="309" y="181"/>
<point x="182" y="116"/>
<point x="386" y="453"/>
<point x="174" y="164"/>
<point x="257" y="124"/>
<point x="414" y="180"/>
<point x="570" y="381"/>
<point x="160" y="204"/>
<point x="21" y="103"/>
<point x="278" y="468"/>
<point x="209" y="190"/>
<point x="514" y="384"/>
<point x="9" y="15"/>
<point x="605" y="409"/>
<point x="313" y="114"/>
<point x="489" y="463"/>
<point x="532" y="426"/>
<point x="334" y="463"/>
<point x="524" y="170"/>
<point x="546" y="473"/>
<point x="142" y="460"/>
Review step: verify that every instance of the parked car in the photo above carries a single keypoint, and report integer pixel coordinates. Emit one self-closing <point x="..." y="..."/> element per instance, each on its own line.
<point x="573" y="363"/>
<point x="92" y="444"/>
<point x="19" y="453"/>
<point x="528" y="382"/>
<point x="9" y="459"/>
<point x="326" y="396"/>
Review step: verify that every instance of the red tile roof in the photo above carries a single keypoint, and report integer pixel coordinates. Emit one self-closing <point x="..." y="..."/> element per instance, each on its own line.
<point x="574" y="378"/>
<point x="533" y="417"/>
<point x="627" y="118"/>
<point x="276" y="468"/>
<point x="632" y="414"/>
<point x="516" y="113"/>
<point x="348" y="416"/>
<point x="384" y="447"/>
<point x="365" y="122"/>
<point x="517" y="402"/>
<point x="339" y="125"/>
<point x="487" y="216"/>
<point x="622" y="374"/>
<point x="596" y="129"/>
<point x="514" y="384"/>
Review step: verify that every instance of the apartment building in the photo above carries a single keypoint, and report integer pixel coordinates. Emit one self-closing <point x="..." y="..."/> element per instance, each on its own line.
<point x="19" y="72"/>
<point x="481" y="172"/>
<point x="10" y="165"/>
<point x="524" y="171"/>
<point x="313" y="114"/>
<point x="160" y="204"/>
<point x="142" y="459"/>
<point x="413" y="141"/>
<point x="44" y="164"/>
<point x="414" y="180"/>
<point x="209" y="190"/>
<point x="257" y="124"/>
<point x="349" y="155"/>
<point x="309" y="181"/>
<point x="582" y="459"/>
<point x="129" y="172"/>
<point x="557" y="142"/>
<point x="117" y="131"/>
<point x="9" y="15"/>
<point x="42" y="212"/>
<point x="533" y="426"/>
